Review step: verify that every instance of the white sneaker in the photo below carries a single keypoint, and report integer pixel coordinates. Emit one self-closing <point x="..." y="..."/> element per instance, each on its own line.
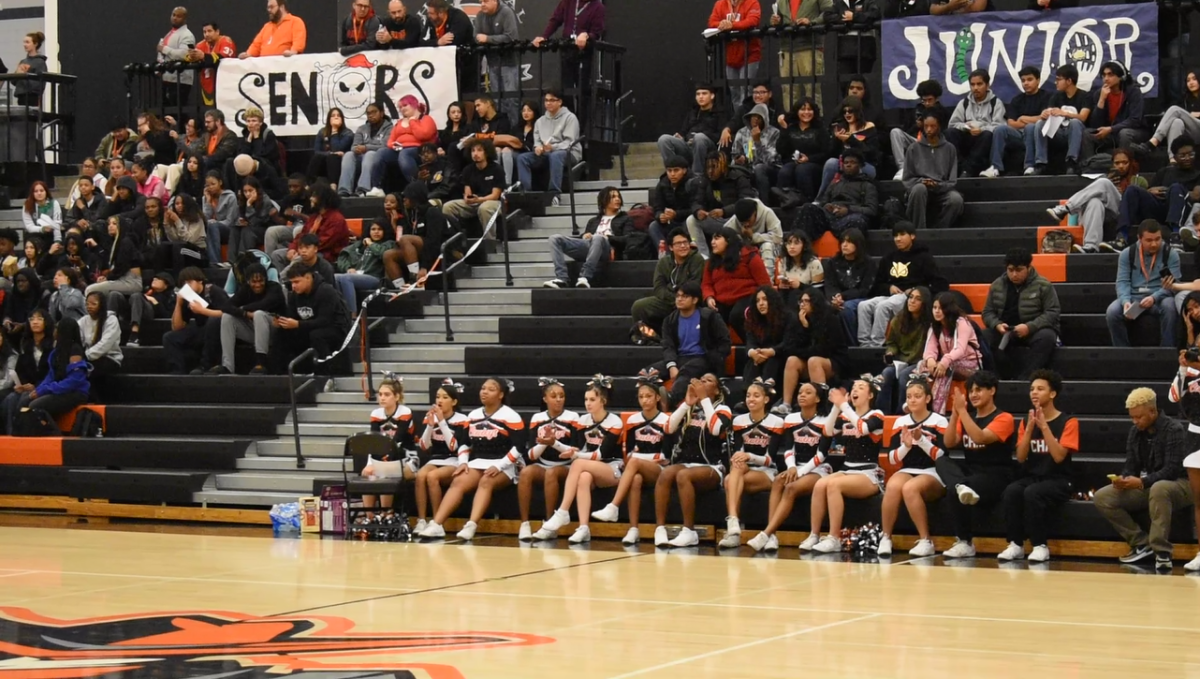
<point x="1013" y="552"/>
<point x="885" y="546"/>
<point x="960" y="550"/>
<point x="1039" y="554"/>
<point x="581" y="534"/>
<point x="772" y="544"/>
<point x="632" y="537"/>
<point x="433" y="530"/>
<point x="376" y="193"/>
<point x="543" y="535"/>
<point x="759" y="542"/>
<point x="467" y="532"/>
<point x="1057" y="212"/>
<point x="525" y="532"/>
<point x="899" y="175"/>
<point x="923" y="548"/>
<point x="730" y="541"/>
<point x="810" y="542"/>
<point x="609" y="513"/>
<point x="421" y="525"/>
<point x="732" y="525"/>
<point x="1193" y="565"/>
<point x="582" y="283"/>
<point x="660" y="536"/>
<point x="554" y="202"/>
<point x="990" y="173"/>
<point x="556" y="521"/>
<point x="556" y="284"/>
<point x="828" y="545"/>
<point x="966" y="494"/>
<point x="1029" y="171"/>
<point x="686" y="538"/>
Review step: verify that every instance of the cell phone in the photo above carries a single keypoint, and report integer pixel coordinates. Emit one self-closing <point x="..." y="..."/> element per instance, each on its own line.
<point x="1166" y="271"/>
<point x="1113" y="477"/>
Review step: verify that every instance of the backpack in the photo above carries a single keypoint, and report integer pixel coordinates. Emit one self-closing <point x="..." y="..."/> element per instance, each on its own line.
<point x="1057" y="242"/>
<point x="1098" y="162"/>
<point x="642" y="216"/>
<point x="35" y="422"/>
<point x="88" y="424"/>
<point x="891" y="212"/>
<point x="813" y="221"/>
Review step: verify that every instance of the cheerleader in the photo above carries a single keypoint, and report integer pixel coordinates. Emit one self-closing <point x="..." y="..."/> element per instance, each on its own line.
<point x="857" y="430"/>
<point x="922" y="442"/>
<point x="701" y="424"/>
<point x="595" y="452"/>
<point x="393" y="420"/>
<point x="445" y="427"/>
<point x="645" y="439"/>
<point x="1185" y="390"/>
<point x="754" y="440"/>
<point x="552" y="426"/>
<point x="804" y="439"/>
<point x="488" y="461"/>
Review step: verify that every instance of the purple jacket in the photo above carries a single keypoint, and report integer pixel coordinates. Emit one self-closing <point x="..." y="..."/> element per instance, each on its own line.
<point x="590" y="20"/>
<point x="76" y="379"/>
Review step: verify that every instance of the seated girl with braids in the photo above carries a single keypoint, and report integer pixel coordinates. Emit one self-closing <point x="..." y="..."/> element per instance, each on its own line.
<point x="552" y="426"/>
<point x="444" y="428"/>
<point x="596" y="460"/>
<point x="804" y="440"/>
<point x="646" y="443"/>
<point x="701" y="426"/>
<point x="754" y="442"/>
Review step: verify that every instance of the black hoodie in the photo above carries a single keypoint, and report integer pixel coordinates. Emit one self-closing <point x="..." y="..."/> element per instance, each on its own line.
<point x="18" y="306"/>
<point x="123" y="254"/>
<point x="245" y="301"/>
<point x="737" y="184"/>
<point x="322" y="307"/>
<point x="677" y="198"/>
<point x="814" y="142"/>
<point x="909" y="269"/>
<point x="127" y="209"/>
<point x="426" y="221"/>
<point x="701" y="122"/>
<point x="850" y="279"/>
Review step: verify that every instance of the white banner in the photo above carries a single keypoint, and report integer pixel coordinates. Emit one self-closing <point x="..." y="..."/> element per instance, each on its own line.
<point x="296" y="92"/>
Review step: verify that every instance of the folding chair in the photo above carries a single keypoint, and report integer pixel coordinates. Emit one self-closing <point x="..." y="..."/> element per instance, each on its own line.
<point x="359" y="448"/>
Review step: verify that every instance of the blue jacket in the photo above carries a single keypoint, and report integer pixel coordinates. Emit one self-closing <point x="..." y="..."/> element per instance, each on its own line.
<point x="76" y="379"/>
<point x="1132" y="286"/>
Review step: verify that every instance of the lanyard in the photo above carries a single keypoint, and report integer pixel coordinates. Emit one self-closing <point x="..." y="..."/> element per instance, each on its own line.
<point x="1142" y="264"/>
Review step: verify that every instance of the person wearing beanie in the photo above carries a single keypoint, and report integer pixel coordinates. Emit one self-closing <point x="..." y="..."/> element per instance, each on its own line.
<point x="758" y="226"/>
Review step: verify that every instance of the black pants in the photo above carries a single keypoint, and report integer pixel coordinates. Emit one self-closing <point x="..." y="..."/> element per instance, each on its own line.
<point x="324" y="165"/>
<point x="54" y="404"/>
<point x="974" y="151"/>
<point x="324" y="341"/>
<point x="690" y="368"/>
<point x="1024" y="354"/>
<point x="735" y="314"/>
<point x="770" y="369"/>
<point x="184" y="347"/>
<point x="987" y="482"/>
<point x="1028" y="502"/>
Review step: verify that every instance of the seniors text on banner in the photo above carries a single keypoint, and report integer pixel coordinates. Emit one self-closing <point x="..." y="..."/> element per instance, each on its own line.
<point x="297" y="92"/>
<point x="948" y="48"/>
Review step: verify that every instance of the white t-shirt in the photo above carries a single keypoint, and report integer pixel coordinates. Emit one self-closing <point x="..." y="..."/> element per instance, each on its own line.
<point x="605" y="226"/>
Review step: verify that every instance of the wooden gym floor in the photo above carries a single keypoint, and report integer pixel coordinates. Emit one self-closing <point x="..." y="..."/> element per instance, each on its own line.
<point x="123" y="604"/>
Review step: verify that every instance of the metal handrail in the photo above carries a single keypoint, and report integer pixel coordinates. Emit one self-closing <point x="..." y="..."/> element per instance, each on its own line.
<point x="447" y="280"/>
<point x="621" y="122"/>
<point x="574" y="172"/>
<point x="367" y="352"/>
<point x="503" y="228"/>
<point x="307" y="353"/>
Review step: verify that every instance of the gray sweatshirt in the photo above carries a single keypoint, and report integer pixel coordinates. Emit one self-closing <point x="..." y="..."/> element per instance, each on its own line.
<point x="987" y="115"/>
<point x="67" y="302"/>
<point x="560" y="131"/>
<point x="176" y="50"/>
<point x="925" y="161"/>
<point x="226" y="211"/>
<point x="373" y="142"/>
<point x="109" y="344"/>
<point x="500" y="27"/>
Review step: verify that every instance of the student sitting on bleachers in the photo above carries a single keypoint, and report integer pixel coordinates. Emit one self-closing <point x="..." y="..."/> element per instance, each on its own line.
<point x="951" y="349"/>
<point x="815" y="348"/>
<point x="681" y="265"/>
<point x="309" y="255"/>
<point x="256" y="216"/>
<point x="695" y="341"/>
<point x="904" y="346"/>
<point x="755" y="148"/>
<point x="759" y="227"/>
<point x="1100" y="201"/>
<point x="715" y="196"/>
<point x="797" y="268"/>
<point x="1142" y="288"/>
<point x="25" y="296"/>
<point x="768" y="321"/>
<point x="671" y="199"/>
<point x="1032" y="321"/>
<point x="326" y="222"/>
<point x="360" y="265"/>
<point x="909" y="265"/>
<point x="74" y="255"/>
<point x="157" y="302"/>
<point x="551" y="429"/>
<point x="917" y="483"/>
<point x="731" y="276"/>
<point x="609" y="230"/>
<point x="65" y="386"/>
<point x="33" y="363"/>
<point x="1166" y="199"/>
<point x="195" y="326"/>
<point x="250" y="318"/>
<point x="67" y="299"/>
<point x="849" y="276"/>
<point x="421" y="229"/>
<point x="316" y="318"/>
<point x="101" y="333"/>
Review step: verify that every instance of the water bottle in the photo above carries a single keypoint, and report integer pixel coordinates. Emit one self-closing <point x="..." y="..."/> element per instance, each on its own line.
<point x="662" y="249"/>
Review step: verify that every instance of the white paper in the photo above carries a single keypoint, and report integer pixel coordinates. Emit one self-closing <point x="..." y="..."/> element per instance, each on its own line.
<point x="189" y="295"/>
<point x="709" y="32"/>
<point x="382" y="469"/>
<point x="1053" y="123"/>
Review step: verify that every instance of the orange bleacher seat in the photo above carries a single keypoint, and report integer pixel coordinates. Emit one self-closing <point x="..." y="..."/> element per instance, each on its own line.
<point x="355" y="226"/>
<point x="1075" y="231"/>
<point x="67" y="420"/>
<point x="1051" y="267"/>
<point x="827" y="245"/>
<point x="976" y="293"/>
<point x="30" y="451"/>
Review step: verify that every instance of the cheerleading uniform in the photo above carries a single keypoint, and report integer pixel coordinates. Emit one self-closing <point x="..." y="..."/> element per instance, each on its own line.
<point x="760" y="441"/>
<point x="1185" y="390"/>
<point x="563" y="426"/>
<point x="647" y="440"/>
<point x="494" y="440"/>
<point x="919" y="460"/>
<point x="701" y="433"/>
<point x="600" y="441"/>
<point x="805" y="440"/>
<point x="857" y="438"/>
<point x="439" y="443"/>
<point x="398" y="427"/>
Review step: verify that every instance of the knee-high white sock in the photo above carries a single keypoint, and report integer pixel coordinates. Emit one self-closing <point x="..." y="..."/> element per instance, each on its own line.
<point x="414" y="268"/>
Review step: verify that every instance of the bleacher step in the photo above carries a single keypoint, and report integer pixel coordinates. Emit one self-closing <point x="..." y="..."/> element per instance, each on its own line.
<point x="297" y="481"/>
<point x="413" y="396"/>
<point x="285" y="448"/>
<point x="433" y="369"/>
<point x="339" y="414"/>
<point x="437" y="310"/>
<point x="241" y="498"/>
<point x="426" y="338"/>
<point x="282" y="464"/>
<point x="438" y="325"/>
<point x="519" y="283"/>
<point x="449" y="353"/>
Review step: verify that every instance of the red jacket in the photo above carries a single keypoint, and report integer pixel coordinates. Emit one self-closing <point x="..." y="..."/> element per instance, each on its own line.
<point x="728" y="287"/>
<point x="749" y="14"/>
<point x="420" y="131"/>
<point x="332" y="230"/>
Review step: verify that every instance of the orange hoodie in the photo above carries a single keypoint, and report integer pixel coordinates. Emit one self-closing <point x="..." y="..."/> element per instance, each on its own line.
<point x="276" y="38"/>
<point x="420" y="131"/>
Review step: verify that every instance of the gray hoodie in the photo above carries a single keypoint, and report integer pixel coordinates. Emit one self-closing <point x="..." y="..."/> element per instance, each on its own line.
<point x="987" y="114"/>
<point x="176" y="49"/>
<point x="768" y="233"/>
<point x="925" y="161"/>
<point x="109" y="344"/>
<point x="377" y="141"/>
<point x="560" y="131"/>
<point x="765" y="152"/>
<point x="226" y="212"/>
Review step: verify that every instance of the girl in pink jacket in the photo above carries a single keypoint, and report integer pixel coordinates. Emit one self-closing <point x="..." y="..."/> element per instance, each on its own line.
<point x="951" y="349"/>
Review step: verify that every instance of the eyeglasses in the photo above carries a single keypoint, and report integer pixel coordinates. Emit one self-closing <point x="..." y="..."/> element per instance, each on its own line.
<point x="552" y="99"/>
<point x="762" y="91"/>
<point x="681" y="244"/>
<point x="1186" y="154"/>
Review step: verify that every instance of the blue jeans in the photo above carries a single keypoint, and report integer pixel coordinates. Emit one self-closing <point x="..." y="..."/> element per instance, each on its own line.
<point x="850" y="320"/>
<point x="747" y="72"/>
<point x="505" y="83"/>
<point x="528" y="162"/>
<point x="804" y="177"/>
<point x="887" y="391"/>
<point x="695" y="152"/>
<point x="1005" y="136"/>
<point x="350" y="283"/>
<point x="370" y="176"/>
<point x="1167" y="318"/>
<point x="593" y="253"/>
<point x="831" y="169"/>
<point x="213" y="234"/>
<point x="1072" y="129"/>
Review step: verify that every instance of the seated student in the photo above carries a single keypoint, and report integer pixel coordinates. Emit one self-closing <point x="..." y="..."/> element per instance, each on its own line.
<point x="596" y="461"/>
<point x="555" y="145"/>
<point x="327" y="222"/>
<point x="916" y="484"/>
<point x="987" y="436"/>
<point x="257" y="142"/>
<point x="714" y="198"/>
<point x="1177" y="121"/>
<point x="125" y="202"/>
<point x="1140" y="283"/>
<point x="489" y="458"/>
<point x="594" y="248"/>
<point x="195" y="326"/>
<point x="483" y="184"/>
<point x="1116" y="120"/>
<point x="491" y="127"/>
<point x="316" y="317"/>
<point x="1100" y="202"/>
<point x="755" y="147"/>
<point x="645" y="441"/>
<point x="908" y="266"/>
<point x="851" y="130"/>
<point x="930" y="175"/>
<point x="100" y="330"/>
<point x="1031" y="323"/>
<point x="245" y="168"/>
<point x="65" y="386"/>
<point x="257" y="215"/>
<point x="849" y="276"/>
<point x="856" y="429"/>
<point x="929" y="92"/>
<point x="681" y="265"/>
<point x="671" y="199"/>
<point x="32" y="349"/>
<point x="449" y="138"/>
<point x="87" y="207"/>
<point x="250" y="317"/>
<point x="754" y="442"/>
<point x="904" y="347"/>
<point x="1046" y="441"/>
<point x="552" y="429"/>
<point x="973" y="122"/>
<point x="186" y="233"/>
<point x="360" y="266"/>
<point x="117" y="168"/>
<point x="220" y="215"/>
<point x="191" y="180"/>
<point x="695" y="341"/>
<point x="370" y="141"/>
<point x="26" y="295"/>
<point x="444" y="430"/>
<point x="435" y="173"/>
<point x="803" y="439"/>
<point x="42" y="215"/>
<point x="89" y="168"/>
<point x="142" y="173"/>
<point x="394" y="420"/>
<point x="122" y="272"/>
<point x="951" y="349"/>
<point x="67" y="299"/>
<point x="851" y="201"/>
<point x="697" y="136"/>
<point x="420" y="230"/>
<point x="731" y="276"/>
<point x="759" y="227"/>
<point x="815" y="347"/>
<point x="414" y="128"/>
<point x="1074" y="107"/>
<point x="768" y="322"/>
<point x="1167" y="200"/>
<point x="332" y="143"/>
<point x="157" y="302"/>
<point x="700" y="425"/>
<point x="37" y="259"/>
<point x="294" y="210"/>
<point x="804" y="148"/>
<point x="1021" y="117"/>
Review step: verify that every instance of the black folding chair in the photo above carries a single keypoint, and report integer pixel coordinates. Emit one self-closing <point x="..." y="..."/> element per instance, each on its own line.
<point x="359" y="448"/>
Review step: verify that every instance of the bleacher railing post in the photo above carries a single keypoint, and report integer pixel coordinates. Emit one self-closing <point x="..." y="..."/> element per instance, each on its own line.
<point x="307" y="353"/>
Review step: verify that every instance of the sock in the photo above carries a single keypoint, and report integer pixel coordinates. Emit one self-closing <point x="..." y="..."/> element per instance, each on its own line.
<point x="399" y="282"/>
<point x="414" y="268"/>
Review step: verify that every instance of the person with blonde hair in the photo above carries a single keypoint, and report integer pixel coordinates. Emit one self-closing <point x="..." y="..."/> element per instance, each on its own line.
<point x="1151" y="478"/>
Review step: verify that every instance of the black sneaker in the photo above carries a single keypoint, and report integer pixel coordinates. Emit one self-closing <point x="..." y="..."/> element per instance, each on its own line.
<point x="1162" y="562"/>
<point x="258" y="370"/>
<point x="1136" y="554"/>
<point x="218" y="370"/>
<point x="1115" y="245"/>
<point x="1143" y="150"/>
<point x="1072" y="167"/>
<point x="197" y="371"/>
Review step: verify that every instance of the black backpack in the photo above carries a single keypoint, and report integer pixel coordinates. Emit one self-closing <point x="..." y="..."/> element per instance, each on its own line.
<point x="88" y="424"/>
<point x="33" y="422"/>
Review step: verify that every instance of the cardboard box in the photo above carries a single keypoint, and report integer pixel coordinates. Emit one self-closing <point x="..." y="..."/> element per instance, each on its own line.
<point x="333" y="510"/>
<point x="310" y="514"/>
